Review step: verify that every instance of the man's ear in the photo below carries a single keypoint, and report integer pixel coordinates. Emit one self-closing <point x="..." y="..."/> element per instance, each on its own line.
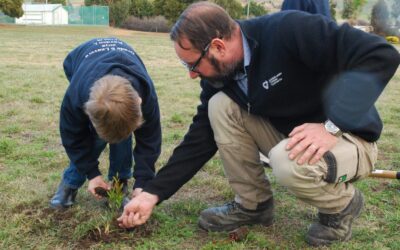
<point x="139" y="100"/>
<point x="218" y="47"/>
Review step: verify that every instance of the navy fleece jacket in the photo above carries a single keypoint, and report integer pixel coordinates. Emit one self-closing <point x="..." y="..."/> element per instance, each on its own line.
<point x="304" y="69"/>
<point x="83" y="66"/>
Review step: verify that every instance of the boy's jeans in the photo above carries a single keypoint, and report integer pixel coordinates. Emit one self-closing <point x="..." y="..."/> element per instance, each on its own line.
<point x="120" y="163"/>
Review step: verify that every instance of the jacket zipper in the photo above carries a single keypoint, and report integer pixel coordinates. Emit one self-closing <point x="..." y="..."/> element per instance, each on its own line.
<point x="248" y="108"/>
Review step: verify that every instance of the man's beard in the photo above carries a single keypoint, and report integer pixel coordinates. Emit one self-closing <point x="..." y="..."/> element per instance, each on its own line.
<point x="225" y="72"/>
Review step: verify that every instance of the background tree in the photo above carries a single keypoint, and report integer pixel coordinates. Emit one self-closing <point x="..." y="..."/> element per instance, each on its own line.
<point x="233" y="7"/>
<point x="351" y="8"/>
<point x="348" y="9"/>
<point x="12" y="8"/>
<point x="119" y="12"/>
<point x="63" y="2"/>
<point x="119" y="9"/>
<point x="141" y="8"/>
<point x="380" y="17"/>
<point x="332" y="6"/>
<point x="97" y="2"/>
<point x="171" y="9"/>
<point x="255" y="9"/>
<point x="158" y="6"/>
<point x="396" y="11"/>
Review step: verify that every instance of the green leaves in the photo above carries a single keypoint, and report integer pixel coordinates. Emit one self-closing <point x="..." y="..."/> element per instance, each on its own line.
<point x="12" y="8"/>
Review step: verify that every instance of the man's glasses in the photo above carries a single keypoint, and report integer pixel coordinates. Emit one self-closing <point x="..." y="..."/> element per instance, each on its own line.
<point x="197" y="62"/>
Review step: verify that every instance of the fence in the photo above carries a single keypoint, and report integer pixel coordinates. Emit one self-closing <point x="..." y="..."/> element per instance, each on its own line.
<point x="6" y="19"/>
<point x="88" y="15"/>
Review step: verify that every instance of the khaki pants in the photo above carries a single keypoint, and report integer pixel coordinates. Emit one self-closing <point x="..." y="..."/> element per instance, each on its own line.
<point x="241" y="136"/>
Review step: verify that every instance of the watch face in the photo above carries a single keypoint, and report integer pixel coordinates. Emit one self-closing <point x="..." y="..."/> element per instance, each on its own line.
<point x="331" y="128"/>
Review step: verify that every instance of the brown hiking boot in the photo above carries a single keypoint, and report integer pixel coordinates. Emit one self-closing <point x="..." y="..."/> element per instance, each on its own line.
<point x="232" y="215"/>
<point x="335" y="227"/>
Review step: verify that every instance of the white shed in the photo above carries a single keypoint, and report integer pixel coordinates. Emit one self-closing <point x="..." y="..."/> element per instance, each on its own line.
<point x="47" y="14"/>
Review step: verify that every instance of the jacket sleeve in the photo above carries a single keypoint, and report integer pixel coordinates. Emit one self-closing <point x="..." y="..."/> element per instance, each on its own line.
<point x="78" y="139"/>
<point x="148" y="146"/>
<point x="363" y="65"/>
<point x="197" y="147"/>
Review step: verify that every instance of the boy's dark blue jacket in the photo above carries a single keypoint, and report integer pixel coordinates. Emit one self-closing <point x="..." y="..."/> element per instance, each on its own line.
<point x="83" y="66"/>
<point x="311" y="6"/>
<point x="304" y="69"/>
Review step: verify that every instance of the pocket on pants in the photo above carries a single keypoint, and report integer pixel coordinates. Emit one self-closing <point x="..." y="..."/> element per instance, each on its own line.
<point x="367" y="155"/>
<point x="342" y="161"/>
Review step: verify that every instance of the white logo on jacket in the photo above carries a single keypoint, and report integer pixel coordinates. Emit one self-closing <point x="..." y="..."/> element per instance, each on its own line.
<point x="272" y="81"/>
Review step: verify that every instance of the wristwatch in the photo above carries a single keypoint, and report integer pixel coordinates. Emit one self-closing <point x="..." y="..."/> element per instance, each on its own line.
<point x="332" y="128"/>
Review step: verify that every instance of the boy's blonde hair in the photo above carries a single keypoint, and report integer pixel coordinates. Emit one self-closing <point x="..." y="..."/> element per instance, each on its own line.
<point x="114" y="108"/>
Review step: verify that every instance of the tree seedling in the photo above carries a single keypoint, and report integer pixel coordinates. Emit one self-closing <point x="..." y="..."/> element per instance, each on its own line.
<point x="115" y="195"/>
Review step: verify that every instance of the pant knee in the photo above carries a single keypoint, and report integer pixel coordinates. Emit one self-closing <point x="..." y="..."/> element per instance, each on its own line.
<point x="282" y="167"/>
<point x="218" y="107"/>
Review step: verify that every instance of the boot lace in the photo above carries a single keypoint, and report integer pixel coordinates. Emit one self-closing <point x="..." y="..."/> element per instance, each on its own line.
<point x="232" y="206"/>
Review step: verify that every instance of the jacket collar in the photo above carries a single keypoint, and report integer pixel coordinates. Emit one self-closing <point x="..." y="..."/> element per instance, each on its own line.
<point x="249" y="34"/>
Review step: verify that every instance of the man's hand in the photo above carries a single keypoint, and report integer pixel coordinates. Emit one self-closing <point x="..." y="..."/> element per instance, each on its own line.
<point x="312" y="140"/>
<point x="138" y="210"/>
<point x="97" y="182"/>
<point x="136" y="192"/>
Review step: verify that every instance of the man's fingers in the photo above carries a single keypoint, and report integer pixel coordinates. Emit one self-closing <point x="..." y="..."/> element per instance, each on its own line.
<point x="124" y="213"/>
<point x="317" y="156"/>
<point x="128" y="220"/>
<point x="136" y="219"/>
<point x="308" y="153"/>
<point x="132" y="218"/>
<point x="294" y="141"/>
<point x="119" y="219"/>
<point x="297" y="130"/>
<point x="297" y="149"/>
<point x="125" y="220"/>
<point x="142" y="219"/>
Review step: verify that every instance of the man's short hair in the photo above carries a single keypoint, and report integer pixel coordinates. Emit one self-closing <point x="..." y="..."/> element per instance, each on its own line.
<point x="114" y="108"/>
<point x="200" y="23"/>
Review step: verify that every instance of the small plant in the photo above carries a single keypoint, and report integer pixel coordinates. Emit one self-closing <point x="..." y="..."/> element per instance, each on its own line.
<point x="115" y="195"/>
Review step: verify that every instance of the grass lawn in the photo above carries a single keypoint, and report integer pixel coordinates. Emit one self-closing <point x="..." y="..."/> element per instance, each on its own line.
<point x="32" y="84"/>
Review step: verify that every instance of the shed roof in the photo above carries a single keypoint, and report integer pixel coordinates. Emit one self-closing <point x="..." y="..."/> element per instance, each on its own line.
<point x="40" y="7"/>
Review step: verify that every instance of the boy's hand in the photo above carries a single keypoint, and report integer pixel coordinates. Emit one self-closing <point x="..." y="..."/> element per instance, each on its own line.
<point x="97" y="182"/>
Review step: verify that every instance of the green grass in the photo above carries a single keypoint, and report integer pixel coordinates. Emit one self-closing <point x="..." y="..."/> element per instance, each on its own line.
<point x="32" y="84"/>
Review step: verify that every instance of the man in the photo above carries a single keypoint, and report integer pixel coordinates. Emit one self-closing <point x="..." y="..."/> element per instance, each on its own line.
<point x="293" y="86"/>
<point x="310" y="6"/>
<point x="110" y="95"/>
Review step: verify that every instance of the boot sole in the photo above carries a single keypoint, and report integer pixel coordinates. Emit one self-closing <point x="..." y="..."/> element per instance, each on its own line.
<point x="217" y="228"/>
<point x="59" y="206"/>
<point x="319" y="242"/>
